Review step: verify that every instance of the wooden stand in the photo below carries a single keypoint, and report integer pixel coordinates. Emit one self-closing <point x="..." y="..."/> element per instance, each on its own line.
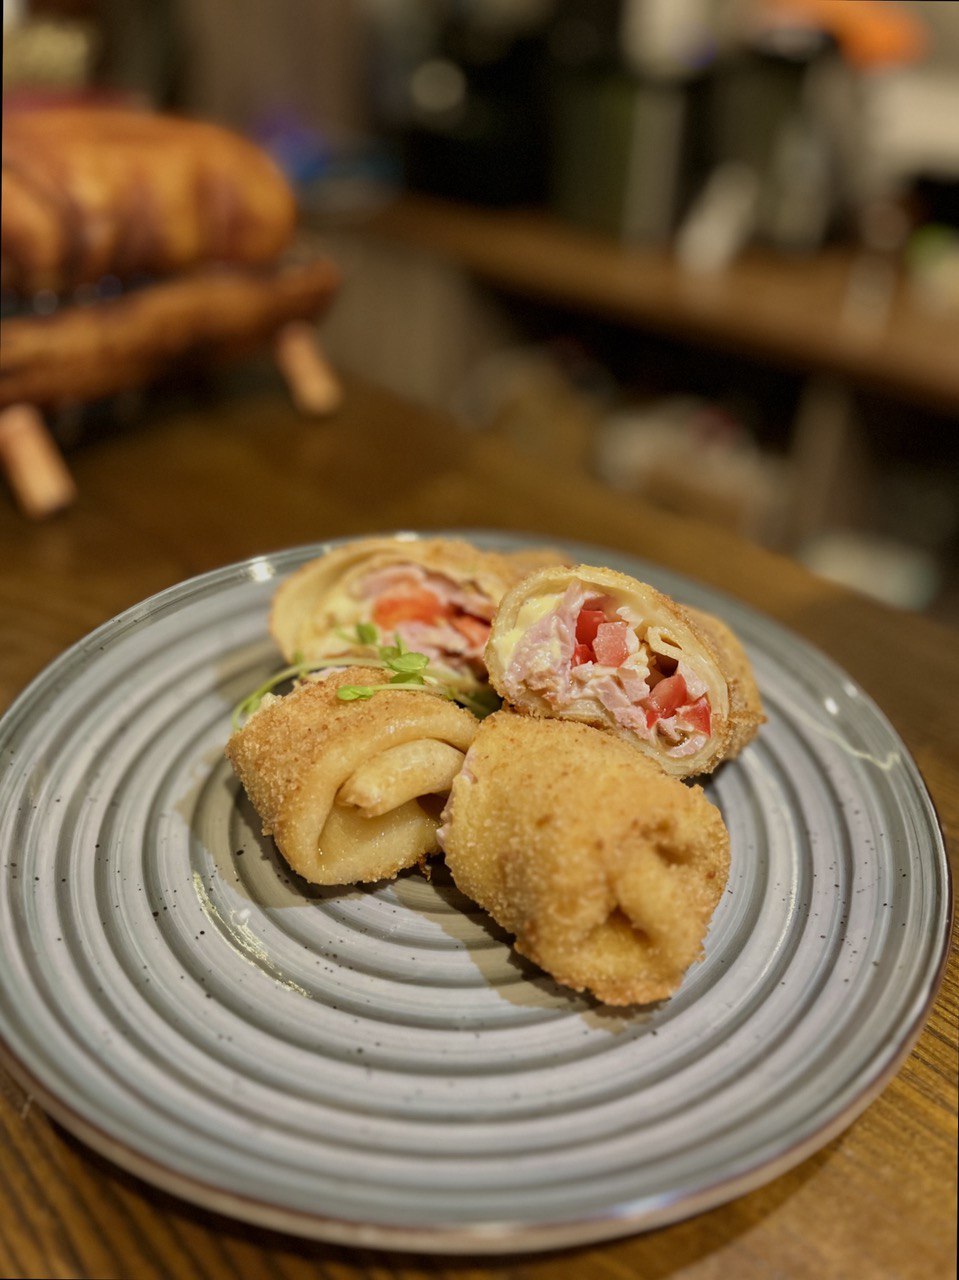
<point x="39" y="478"/>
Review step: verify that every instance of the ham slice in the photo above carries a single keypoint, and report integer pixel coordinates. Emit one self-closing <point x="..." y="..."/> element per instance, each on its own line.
<point x="597" y="646"/>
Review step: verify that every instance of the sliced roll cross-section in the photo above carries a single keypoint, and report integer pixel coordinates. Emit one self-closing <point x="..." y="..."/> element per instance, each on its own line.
<point x="605" y="869"/>
<point x="351" y="790"/>
<point x="594" y="645"/>
<point x="437" y="595"/>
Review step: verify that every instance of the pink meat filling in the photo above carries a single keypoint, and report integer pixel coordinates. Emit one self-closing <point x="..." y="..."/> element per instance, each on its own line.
<point x="431" y="613"/>
<point x="584" y="651"/>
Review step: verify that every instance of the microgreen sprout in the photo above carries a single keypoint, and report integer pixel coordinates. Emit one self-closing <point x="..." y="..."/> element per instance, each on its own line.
<point x="249" y="704"/>
<point x="409" y="670"/>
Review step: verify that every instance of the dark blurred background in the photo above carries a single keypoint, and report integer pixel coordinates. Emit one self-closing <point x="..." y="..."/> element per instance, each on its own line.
<point x="706" y="250"/>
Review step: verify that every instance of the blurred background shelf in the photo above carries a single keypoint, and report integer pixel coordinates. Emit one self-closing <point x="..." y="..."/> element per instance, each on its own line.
<point x="813" y="313"/>
<point x="808" y="401"/>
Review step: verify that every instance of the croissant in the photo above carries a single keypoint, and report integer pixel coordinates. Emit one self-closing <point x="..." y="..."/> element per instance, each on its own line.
<point x="439" y="595"/>
<point x="89" y="191"/>
<point x="605" y="869"/>
<point x="593" y="645"/>
<point x="347" y="789"/>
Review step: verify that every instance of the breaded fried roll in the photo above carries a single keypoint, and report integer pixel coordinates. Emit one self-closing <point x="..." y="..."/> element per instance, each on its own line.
<point x="596" y="646"/>
<point x="438" y="595"/>
<point x="351" y="790"/>
<point x="605" y="869"/>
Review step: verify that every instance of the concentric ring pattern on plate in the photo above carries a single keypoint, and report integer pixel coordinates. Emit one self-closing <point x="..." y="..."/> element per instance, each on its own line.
<point x="375" y="1065"/>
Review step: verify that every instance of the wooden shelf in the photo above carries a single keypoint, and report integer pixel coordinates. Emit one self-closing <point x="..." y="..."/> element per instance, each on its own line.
<point x="835" y="312"/>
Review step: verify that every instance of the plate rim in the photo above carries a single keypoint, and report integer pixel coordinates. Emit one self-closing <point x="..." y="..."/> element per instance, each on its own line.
<point x="459" y="1239"/>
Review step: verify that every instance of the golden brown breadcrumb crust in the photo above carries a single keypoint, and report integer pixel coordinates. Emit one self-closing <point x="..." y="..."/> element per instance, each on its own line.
<point x="745" y="705"/>
<point x="295" y="754"/>
<point x="606" y="869"/>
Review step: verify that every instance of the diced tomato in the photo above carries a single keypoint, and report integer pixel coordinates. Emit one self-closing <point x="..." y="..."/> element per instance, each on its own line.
<point x="475" y="630"/>
<point x="587" y="624"/>
<point x="407" y="606"/>
<point x="582" y="653"/>
<point x="668" y="696"/>
<point x="610" y="644"/>
<point x="697" y="715"/>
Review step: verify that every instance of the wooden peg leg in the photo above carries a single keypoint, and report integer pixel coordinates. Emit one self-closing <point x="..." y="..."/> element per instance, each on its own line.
<point x="313" y="386"/>
<point x="33" y="464"/>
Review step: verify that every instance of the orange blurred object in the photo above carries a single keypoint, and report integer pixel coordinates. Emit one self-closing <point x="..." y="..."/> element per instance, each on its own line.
<point x="870" y="33"/>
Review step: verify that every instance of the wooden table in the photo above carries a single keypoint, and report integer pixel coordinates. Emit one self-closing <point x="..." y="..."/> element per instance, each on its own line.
<point x="186" y="492"/>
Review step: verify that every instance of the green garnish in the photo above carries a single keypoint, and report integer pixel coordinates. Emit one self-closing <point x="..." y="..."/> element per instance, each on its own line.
<point x="408" y="664"/>
<point x="250" y="703"/>
<point x="410" y="671"/>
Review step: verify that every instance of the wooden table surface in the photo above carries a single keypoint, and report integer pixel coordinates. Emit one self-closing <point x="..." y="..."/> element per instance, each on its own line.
<point x="187" y="491"/>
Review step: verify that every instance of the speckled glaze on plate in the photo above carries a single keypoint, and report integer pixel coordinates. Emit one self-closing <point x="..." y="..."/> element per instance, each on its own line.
<point x="375" y="1066"/>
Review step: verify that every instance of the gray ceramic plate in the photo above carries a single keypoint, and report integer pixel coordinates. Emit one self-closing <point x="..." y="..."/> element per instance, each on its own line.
<point x="375" y="1066"/>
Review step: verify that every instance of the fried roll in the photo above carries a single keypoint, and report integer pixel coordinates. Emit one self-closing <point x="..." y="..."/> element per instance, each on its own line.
<point x="597" y="646"/>
<point x="348" y="789"/>
<point x="438" y="595"/>
<point x="605" y="869"/>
